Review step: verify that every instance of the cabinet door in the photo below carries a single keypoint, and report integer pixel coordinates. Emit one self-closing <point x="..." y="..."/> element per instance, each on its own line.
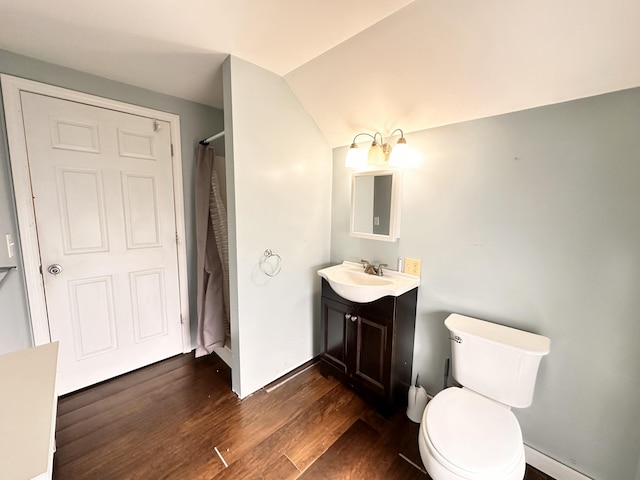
<point x="373" y="353"/>
<point x="334" y="317"/>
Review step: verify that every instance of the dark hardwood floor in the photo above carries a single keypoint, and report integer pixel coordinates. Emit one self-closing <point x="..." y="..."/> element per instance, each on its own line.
<point x="170" y="420"/>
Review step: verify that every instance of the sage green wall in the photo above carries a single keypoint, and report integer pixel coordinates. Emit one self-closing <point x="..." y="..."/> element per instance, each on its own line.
<point x="196" y="122"/>
<point x="15" y="329"/>
<point x="532" y="219"/>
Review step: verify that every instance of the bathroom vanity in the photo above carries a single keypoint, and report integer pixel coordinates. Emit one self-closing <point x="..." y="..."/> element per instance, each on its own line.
<point x="369" y="346"/>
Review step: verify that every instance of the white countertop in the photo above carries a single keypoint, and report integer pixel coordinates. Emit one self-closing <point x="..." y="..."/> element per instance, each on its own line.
<point x="28" y="406"/>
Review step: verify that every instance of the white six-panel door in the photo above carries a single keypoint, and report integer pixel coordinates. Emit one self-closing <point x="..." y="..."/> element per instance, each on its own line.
<point x="105" y="215"/>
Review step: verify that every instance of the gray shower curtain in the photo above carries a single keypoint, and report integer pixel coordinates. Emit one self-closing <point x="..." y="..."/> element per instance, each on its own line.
<point x="212" y="256"/>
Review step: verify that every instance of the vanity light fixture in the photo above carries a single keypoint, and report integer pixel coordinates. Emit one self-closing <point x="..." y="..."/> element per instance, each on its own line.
<point x="380" y="152"/>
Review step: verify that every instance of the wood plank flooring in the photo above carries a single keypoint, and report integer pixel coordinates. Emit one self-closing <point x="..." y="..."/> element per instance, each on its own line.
<point x="170" y="420"/>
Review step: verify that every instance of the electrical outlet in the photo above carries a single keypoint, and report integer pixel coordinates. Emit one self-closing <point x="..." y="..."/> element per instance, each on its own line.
<point x="412" y="266"/>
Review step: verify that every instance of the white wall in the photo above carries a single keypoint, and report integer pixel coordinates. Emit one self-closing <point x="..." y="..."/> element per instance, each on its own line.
<point x="279" y="190"/>
<point x="531" y="219"/>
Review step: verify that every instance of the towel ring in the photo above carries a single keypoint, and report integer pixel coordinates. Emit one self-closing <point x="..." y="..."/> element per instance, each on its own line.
<point x="270" y="263"/>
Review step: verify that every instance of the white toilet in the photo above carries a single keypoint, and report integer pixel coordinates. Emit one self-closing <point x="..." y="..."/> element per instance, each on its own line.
<point x="470" y="432"/>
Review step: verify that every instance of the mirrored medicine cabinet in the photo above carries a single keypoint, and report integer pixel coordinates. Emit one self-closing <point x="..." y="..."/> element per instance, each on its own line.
<point x="375" y="205"/>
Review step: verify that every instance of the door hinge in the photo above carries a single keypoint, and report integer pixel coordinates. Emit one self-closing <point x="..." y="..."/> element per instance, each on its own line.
<point x="172" y="149"/>
<point x="181" y="319"/>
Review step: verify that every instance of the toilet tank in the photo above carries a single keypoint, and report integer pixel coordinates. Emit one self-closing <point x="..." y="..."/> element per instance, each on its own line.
<point x="495" y="361"/>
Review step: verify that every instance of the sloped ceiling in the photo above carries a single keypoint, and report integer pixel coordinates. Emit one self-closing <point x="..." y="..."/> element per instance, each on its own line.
<point x="355" y="65"/>
<point x="434" y="63"/>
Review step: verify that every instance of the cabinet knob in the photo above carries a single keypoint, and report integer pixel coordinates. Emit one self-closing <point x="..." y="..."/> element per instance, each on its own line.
<point x="354" y="318"/>
<point x="347" y="316"/>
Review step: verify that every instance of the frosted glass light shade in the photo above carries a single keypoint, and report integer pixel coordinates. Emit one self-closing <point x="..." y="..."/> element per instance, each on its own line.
<point x="355" y="157"/>
<point x="376" y="155"/>
<point x="400" y="155"/>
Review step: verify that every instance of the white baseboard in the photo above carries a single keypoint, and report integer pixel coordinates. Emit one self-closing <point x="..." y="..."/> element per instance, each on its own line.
<point x="225" y="354"/>
<point x="551" y="467"/>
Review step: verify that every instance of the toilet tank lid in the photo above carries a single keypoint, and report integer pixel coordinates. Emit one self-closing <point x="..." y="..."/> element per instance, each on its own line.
<point x="494" y="333"/>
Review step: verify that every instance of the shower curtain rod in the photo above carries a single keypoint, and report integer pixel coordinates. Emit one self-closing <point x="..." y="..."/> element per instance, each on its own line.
<point x="211" y="138"/>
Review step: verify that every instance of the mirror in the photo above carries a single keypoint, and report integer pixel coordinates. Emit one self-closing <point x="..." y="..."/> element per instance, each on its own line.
<point x="375" y="205"/>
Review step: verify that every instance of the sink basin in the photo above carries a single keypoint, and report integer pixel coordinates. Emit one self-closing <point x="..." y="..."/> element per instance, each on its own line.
<point x="349" y="281"/>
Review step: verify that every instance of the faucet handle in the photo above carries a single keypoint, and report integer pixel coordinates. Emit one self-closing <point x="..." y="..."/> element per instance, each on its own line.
<point x="379" y="269"/>
<point x="365" y="262"/>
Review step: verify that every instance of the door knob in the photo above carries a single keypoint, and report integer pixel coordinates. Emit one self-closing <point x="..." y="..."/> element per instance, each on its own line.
<point x="54" y="269"/>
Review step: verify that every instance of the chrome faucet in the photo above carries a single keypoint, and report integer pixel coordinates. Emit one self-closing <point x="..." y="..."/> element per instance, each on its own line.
<point x="373" y="270"/>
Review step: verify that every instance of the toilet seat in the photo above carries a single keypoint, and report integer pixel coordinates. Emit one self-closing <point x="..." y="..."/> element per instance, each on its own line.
<point x="473" y="436"/>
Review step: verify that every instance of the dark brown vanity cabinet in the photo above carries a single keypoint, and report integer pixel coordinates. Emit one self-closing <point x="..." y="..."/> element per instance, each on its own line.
<point x="369" y="346"/>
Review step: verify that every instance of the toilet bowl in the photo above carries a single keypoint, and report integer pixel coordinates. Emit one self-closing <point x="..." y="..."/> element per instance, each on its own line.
<point x="470" y="432"/>
<point x="464" y="435"/>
